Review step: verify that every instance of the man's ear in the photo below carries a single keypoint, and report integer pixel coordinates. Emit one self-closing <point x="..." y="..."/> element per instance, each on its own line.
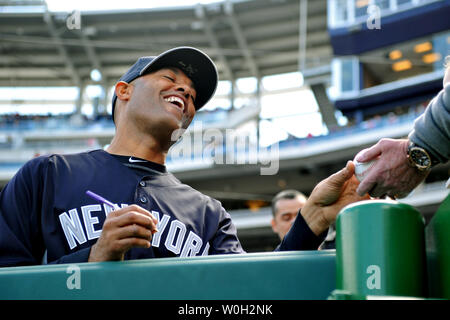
<point x="123" y="90"/>
<point x="274" y="225"/>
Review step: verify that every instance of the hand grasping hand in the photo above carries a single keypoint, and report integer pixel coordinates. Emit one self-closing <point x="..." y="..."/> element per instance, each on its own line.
<point x="329" y="197"/>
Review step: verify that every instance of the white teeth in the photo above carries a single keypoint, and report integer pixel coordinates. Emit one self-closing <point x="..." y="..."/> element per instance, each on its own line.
<point x="175" y="99"/>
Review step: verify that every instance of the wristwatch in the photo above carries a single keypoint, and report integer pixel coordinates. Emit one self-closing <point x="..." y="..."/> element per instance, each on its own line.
<point x="420" y="158"/>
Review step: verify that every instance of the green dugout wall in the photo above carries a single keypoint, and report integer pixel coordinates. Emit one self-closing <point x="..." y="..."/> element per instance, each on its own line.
<point x="284" y="275"/>
<point x="255" y="276"/>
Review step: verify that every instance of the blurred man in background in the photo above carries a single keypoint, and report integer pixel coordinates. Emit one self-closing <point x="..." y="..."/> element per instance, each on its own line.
<point x="285" y="207"/>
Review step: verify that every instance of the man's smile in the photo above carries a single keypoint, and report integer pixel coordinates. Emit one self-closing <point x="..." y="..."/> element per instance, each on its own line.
<point x="177" y="101"/>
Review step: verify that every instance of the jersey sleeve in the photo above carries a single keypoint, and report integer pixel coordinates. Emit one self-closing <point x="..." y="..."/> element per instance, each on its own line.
<point x="300" y="237"/>
<point x="22" y="202"/>
<point x="81" y="255"/>
<point x="432" y="128"/>
<point x="225" y="240"/>
<point x="20" y="236"/>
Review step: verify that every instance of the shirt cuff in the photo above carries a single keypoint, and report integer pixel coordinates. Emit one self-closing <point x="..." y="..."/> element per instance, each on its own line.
<point x="76" y="257"/>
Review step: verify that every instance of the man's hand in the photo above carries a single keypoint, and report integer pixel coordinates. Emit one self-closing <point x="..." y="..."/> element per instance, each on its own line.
<point x="392" y="175"/>
<point x="123" y="229"/>
<point x="329" y="197"/>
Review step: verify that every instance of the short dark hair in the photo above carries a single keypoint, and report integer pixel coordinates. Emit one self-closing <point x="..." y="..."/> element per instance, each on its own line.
<point x="285" y="194"/>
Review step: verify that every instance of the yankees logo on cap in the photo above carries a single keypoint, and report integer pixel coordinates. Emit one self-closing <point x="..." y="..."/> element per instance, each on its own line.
<point x="188" y="69"/>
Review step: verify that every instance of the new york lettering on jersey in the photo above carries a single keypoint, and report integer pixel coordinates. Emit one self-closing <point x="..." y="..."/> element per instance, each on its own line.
<point x="84" y="224"/>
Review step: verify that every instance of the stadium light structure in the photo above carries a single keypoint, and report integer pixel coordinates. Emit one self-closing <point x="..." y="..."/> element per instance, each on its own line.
<point x="96" y="75"/>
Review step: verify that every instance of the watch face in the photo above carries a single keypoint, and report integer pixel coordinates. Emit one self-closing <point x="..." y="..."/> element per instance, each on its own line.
<point x="421" y="158"/>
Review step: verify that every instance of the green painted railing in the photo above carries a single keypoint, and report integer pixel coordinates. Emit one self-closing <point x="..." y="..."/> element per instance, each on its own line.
<point x="253" y="276"/>
<point x="310" y="275"/>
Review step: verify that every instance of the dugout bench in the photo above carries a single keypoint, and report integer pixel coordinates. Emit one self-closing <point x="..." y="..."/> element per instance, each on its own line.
<point x="311" y="275"/>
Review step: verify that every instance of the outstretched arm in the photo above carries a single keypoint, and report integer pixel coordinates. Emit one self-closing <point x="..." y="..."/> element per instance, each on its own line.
<point x="329" y="197"/>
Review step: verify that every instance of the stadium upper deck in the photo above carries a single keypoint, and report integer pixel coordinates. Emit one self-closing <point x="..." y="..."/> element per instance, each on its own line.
<point x="387" y="53"/>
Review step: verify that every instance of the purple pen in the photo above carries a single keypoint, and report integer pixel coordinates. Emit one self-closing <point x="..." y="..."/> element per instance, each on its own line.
<point x="101" y="199"/>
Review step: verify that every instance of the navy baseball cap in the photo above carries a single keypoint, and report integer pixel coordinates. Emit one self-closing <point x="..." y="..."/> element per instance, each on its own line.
<point x="193" y="62"/>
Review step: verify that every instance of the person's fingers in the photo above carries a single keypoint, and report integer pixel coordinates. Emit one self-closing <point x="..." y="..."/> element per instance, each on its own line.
<point x="134" y="214"/>
<point x="371" y="187"/>
<point x="368" y="184"/>
<point x="369" y="154"/>
<point x="141" y="210"/>
<point x="128" y="243"/>
<point x="328" y="190"/>
<point x="133" y="231"/>
<point x="350" y="166"/>
<point x="133" y="217"/>
<point x="364" y="188"/>
<point x="133" y="207"/>
<point x="378" y="191"/>
<point x="339" y="178"/>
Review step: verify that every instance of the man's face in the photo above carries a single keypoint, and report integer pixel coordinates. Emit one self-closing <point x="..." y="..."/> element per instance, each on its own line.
<point x="286" y="212"/>
<point x="162" y="101"/>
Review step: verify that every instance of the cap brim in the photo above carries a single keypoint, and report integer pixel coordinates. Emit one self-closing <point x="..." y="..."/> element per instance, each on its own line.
<point x="195" y="64"/>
